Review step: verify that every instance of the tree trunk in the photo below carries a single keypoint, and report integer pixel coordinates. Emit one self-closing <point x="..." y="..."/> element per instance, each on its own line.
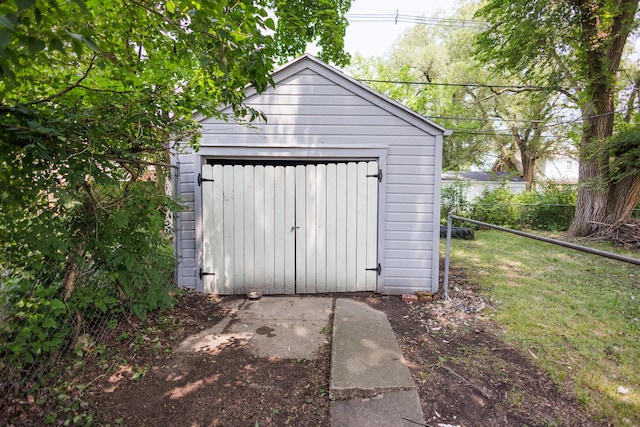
<point x="623" y="198"/>
<point x="603" y="47"/>
<point x="592" y="200"/>
<point x="528" y="161"/>
<point x="528" y="171"/>
<point x="72" y="269"/>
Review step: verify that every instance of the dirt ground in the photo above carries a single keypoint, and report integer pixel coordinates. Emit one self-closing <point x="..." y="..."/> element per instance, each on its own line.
<point x="467" y="375"/>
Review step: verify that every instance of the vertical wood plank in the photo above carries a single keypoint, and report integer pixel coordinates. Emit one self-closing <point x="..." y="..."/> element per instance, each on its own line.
<point x="331" y="251"/>
<point x="290" y="235"/>
<point x="260" y="226"/>
<point x="301" y="230"/>
<point x="372" y="226"/>
<point x="341" y="227"/>
<point x="217" y="244"/>
<point x="208" y="224"/>
<point x="238" y="230"/>
<point x="352" y="224"/>
<point x="321" y="229"/>
<point x="249" y="230"/>
<point x="311" y="226"/>
<point x="269" y="229"/>
<point x="280" y="231"/>
<point x="361" y="228"/>
<point x="227" y="280"/>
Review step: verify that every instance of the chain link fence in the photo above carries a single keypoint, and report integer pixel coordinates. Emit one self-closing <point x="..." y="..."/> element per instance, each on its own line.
<point x="38" y="329"/>
<point x="543" y="216"/>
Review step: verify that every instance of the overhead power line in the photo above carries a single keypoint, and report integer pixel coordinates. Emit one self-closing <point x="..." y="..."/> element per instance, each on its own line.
<point x="497" y="133"/>
<point x="476" y="85"/>
<point x="416" y="19"/>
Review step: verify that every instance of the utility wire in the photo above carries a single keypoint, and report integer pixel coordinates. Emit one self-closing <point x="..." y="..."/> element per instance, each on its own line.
<point x="416" y="19"/>
<point x="498" y="133"/>
<point x="476" y="85"/>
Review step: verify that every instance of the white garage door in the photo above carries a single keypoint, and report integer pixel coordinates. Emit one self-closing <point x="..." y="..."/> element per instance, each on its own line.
<point x="286" y="229"/>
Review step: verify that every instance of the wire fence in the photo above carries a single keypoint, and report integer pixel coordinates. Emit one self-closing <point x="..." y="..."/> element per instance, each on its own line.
<point x="451" y="217"/>
<point x="38" y="330"/>
<point x="540" y="216"/>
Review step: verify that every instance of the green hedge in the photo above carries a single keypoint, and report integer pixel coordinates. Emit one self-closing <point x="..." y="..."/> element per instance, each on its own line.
<point x="551" y="209"/>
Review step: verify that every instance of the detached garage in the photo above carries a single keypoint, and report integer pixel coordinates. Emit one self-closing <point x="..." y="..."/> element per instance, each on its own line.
<point x="338" y="191"/>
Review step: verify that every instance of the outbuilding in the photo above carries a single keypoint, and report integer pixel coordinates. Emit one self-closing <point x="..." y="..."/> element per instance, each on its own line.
<point x="338" y="190"/>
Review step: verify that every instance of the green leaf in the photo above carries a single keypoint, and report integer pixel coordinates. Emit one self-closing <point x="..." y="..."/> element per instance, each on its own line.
<point x="25" y="4"/>
<point x="5" y="39"/>
<point x="51" y="418"/>
<point x="56" y="44"/>
<point x="57" y="306"/>
<point x="270" y="24"/>
<point x="34" y="45"/>
<point x="49" y="323"/>
<point x="87" y="41"/>
<point x="6" y="23"/>
<point x="82" y="6"/>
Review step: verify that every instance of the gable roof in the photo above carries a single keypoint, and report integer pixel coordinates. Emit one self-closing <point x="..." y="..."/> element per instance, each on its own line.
<point x="339" y="78"/>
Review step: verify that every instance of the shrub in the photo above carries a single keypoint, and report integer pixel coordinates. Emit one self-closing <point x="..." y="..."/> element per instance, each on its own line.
<point x="498" y="207"/>
<point x="453" y="199"/>
<point x="552" y="209"/>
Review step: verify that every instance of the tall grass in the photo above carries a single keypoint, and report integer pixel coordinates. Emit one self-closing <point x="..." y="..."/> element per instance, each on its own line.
<point x="577" y="313"/>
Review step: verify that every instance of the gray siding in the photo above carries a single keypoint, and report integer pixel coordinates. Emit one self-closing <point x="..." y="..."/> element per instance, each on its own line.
<point x="316" y="111"/>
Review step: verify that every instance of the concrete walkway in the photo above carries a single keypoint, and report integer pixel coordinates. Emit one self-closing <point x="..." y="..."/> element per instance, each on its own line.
<point x="370" y="382"/>
<point x="283" y="327"/>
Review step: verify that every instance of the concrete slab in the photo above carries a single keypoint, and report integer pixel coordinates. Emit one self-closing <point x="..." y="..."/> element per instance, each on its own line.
<point x="400" y="408"/>
<point x="272" y="327"/>
<point x="283" y="308"/>
<point x="365" y="358"/>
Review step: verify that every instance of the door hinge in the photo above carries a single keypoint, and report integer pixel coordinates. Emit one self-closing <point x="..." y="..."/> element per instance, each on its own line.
<point x="201" y="179"/>
<point x="378" y="175"/>
<point x="377" y="269"/>
<point x="204" y="273"/>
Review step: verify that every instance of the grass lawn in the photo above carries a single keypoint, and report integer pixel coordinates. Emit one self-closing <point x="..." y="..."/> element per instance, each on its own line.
<point x="577" y="315"/>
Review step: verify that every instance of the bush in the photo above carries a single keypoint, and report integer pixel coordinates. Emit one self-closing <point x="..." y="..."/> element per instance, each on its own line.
<point x="122" y="263"/>
<point x="453" y="199"/>
<point x="552" y="209"/>
<point x="497" y="207"/>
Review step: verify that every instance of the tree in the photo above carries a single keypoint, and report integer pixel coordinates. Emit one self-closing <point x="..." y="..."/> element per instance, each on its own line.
<point x="579" y="44"/>
<point x="91" y="94"/>
<point x="489" y="117"/>
<point x="430" y="58"/>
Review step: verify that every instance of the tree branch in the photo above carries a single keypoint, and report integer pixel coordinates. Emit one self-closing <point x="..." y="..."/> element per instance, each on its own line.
<point x="69" y="88"/>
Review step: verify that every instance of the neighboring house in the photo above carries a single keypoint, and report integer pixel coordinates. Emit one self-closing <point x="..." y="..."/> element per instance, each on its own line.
<point x="479" y="182"/>
<point x="560" y="169"/>
<point x="338" y="191"/>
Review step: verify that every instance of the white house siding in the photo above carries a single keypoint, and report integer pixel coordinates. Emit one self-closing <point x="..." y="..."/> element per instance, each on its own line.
<point x="316" y="112"/>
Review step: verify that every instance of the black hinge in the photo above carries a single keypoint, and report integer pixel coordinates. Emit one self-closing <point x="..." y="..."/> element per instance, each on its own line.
<point x="378" y="175"/>
<point x="201" y="179"/>
<point x="204" y="273"/>
<point x="377" y="269"/>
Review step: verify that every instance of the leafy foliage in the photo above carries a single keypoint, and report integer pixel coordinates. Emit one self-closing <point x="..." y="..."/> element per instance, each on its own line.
<point x="550" y="209"/>
<point x="91" y="95"/>
<point x="495" y="116"/>
<point x="453" y="198"/>
<point x="498" y="207"/>
<point x="577" y="48"/>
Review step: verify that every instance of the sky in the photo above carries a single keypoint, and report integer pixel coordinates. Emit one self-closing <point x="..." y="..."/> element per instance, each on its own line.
<point x="374" y="35"/>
